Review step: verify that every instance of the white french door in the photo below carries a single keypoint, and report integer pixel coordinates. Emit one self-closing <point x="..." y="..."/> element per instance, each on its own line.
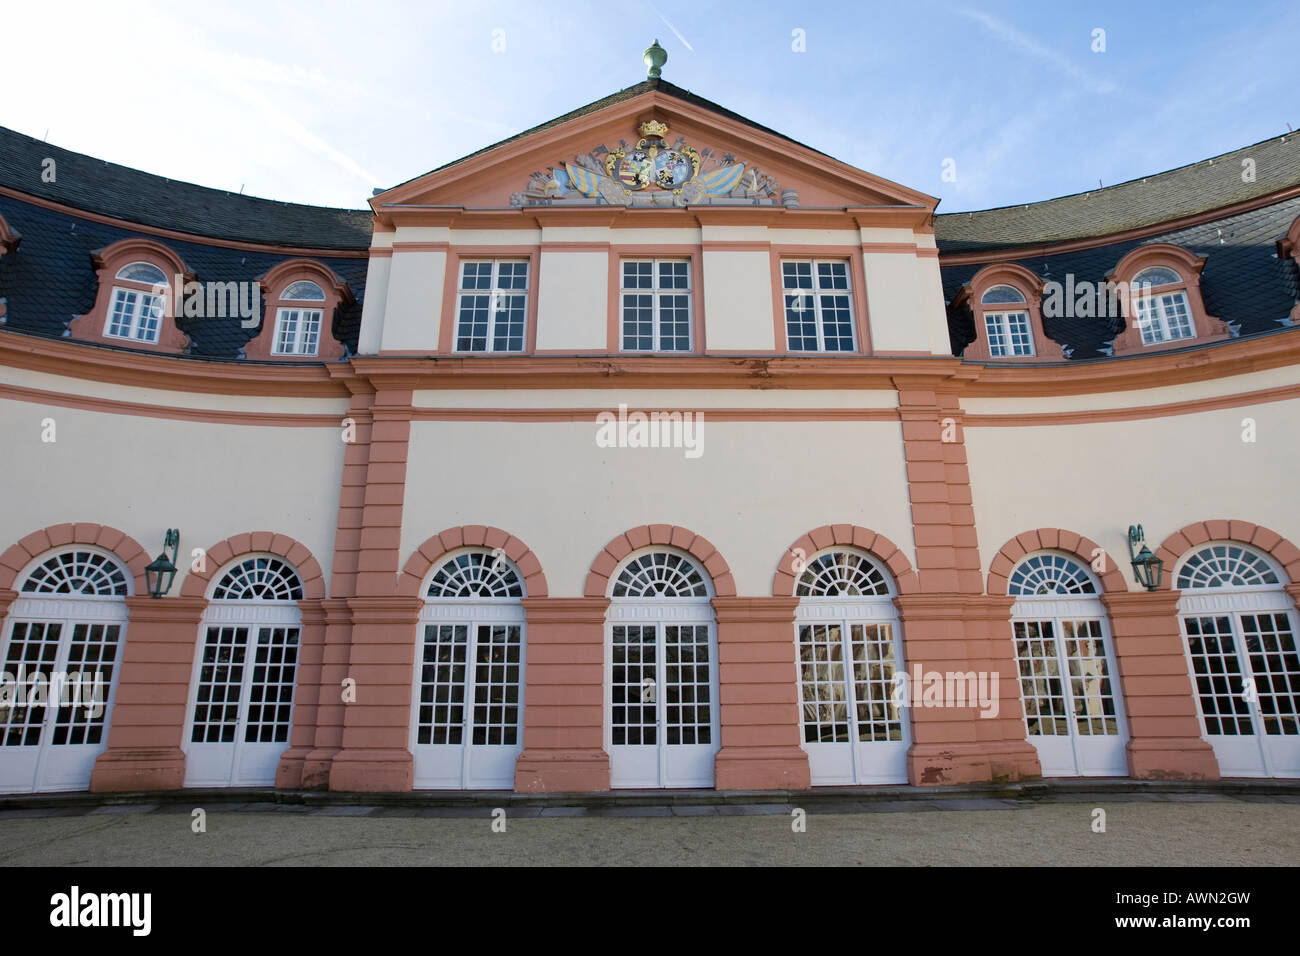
<point x="1066" y="662"/>
<point x="467" y="711"/>
<point x="661" y="698"/>
<point x="1241" y="649"/>
<point x="241" y="706"/>
<point x="853" y="729"/>
<point x="61" y="661"/>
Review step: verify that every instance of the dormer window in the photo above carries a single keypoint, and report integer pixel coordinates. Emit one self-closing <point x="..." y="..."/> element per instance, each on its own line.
<point x="1160" y="286"/>
<point x="1005" y="302"/>
<point x="298" y="321"/>
<point x="136" y="309"/>
<point x="1007" y="326"/>
<point x="301" y="300"/>
<point x="138" y="281"/>
<point x="1160" y="308"/>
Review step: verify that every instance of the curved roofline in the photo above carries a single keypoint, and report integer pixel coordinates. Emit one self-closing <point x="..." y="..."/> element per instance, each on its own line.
<point x="1127" y="182"/>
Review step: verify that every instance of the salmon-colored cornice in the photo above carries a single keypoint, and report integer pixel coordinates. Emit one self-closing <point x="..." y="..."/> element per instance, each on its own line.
<point x="173" y="373"/>
<point x="618" y="217"/>
<point x="176" y="234"/>
<point x="1138" y="232"/>
<point x="763" y="146"/>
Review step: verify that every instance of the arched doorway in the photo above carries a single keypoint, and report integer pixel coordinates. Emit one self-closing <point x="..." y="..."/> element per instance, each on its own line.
<point x="1066" y="660"/>
<point x="1239" y="629"/>
<point x="847" y="638"/>
<point x="61" y="651"/>
<point x="661" y="673"/>
<point x="467" y="716"/>
<point x="241" y="706"/>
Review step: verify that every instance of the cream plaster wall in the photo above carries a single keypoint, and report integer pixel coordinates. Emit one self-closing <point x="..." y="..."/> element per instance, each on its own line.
<point x="573" y="300"/>
<point x="411" y="313"/>
<point x="1097" y="479"/>
<point x="738" y="301"/>
<point x="144" y="475"/>
<point x="757" y="487"/>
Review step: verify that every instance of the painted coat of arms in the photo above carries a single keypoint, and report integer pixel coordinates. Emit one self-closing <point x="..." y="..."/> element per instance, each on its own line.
<point x="651" y="173"/>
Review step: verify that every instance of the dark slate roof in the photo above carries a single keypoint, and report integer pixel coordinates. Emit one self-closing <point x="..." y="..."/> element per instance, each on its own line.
<point x="50" y="279"/>
<point x="1186" y="191"/>
<point x="94" y="185"/>
<point x="1244" y="282"/>
<point x="631" y="92"/>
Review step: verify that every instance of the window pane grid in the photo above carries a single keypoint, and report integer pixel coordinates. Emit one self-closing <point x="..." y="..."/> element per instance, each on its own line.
<point x="1217" y="671"/>
<point x="492" y="306"/>
<point x="818" y="306"/>
<point x="656" y="305"/>
<point x="873" y="682"/>
<point x="442" y="684"/>
<point x="92" y="655"/>
<point x="33" y="648"/>
<point x="634" y="679"/>
<point x="1275" y="666"/>
<point x="497" y="661"/>
<point x="221" y="682"/>
<point x="1163" y="318"/>
<point x="1041" y="689"/>
<point x="1008" y="334"/>
<point x="270" y="696"/>
<point x="1090" y="688"/>
<point x="687" y="703"/>
<point x="134" y="315"/>
<point x="822" y="688"/>
<point x="298" y="331"/>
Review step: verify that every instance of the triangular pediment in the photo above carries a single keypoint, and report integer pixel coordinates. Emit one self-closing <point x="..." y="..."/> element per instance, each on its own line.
<point x="651" y="146"/>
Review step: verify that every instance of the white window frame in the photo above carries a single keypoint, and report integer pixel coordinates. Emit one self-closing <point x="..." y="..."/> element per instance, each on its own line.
<point x="495" y="292"/>
<point x="816" y="293"/>
<point x="1156" y="321"/>
<point x="656" y="291"/>
<point x="137" y="321"/>
<point x="299" y="337"/>
<point x="1004" y="345"/>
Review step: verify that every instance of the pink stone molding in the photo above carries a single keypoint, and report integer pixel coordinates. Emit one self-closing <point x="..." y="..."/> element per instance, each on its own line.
<point x="267" y="542"/>
<point x="1052" y="539"/>
<point x="1174" y="547"/>
<point x="126" y="548"/>
<point x="273" y="285"/>
<point x="848" y="535"/>
<point x="697" y="546"/>
<point x="436" y="548"/>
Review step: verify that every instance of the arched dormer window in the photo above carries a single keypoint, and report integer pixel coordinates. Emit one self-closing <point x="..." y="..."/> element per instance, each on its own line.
<point x="302" y="297"/>
<point x="1289" y="246"/>
<point x="1160" y="292"/>
<point x="1006" y="303"/>
<point x="134" y="306"/>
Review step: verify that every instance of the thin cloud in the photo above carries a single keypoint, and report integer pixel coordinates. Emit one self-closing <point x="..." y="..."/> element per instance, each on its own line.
<point x="1031" y="47"/>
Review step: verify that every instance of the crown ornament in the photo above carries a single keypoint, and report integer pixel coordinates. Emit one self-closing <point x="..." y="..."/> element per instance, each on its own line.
<point x="653" y="128"/>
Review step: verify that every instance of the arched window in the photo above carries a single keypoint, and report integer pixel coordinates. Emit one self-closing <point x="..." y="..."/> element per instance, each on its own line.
<point x="302" y="298"/>
<point x="1239" y="625"/>
<point x="1006" y="305"/>
<point x="1163" y="301"/>
<point x="467" y="726"/>
<point x="136" y="309"/>
<point x="61" y="647"/>
<point x="850" y="652"/>
<point x="1074" y="715"/>
<point x="661" y="667"/>
<point x="241" y="709"/>
<point x="298" y="319"/>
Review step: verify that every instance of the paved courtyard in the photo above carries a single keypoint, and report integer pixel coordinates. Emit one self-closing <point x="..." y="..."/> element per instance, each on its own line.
<point x="1141" y="829"/>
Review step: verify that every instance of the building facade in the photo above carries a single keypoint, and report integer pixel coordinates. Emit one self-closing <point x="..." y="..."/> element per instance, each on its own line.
<point x="648" y="448"/>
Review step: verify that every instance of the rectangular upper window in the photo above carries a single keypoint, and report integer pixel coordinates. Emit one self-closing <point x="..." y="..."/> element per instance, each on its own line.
<point x="818" y="306"/>
<point x="492" y="305"/>
<point x="134" y="315"/>
<point x="1163" y="318"/>
<point x="297" y="332"/>
<point x="656" y="305"/>
<point x="1009" y="334"/>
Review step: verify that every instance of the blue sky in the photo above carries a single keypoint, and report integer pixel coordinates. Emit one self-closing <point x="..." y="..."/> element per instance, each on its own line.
<point x="321" y="102"/>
